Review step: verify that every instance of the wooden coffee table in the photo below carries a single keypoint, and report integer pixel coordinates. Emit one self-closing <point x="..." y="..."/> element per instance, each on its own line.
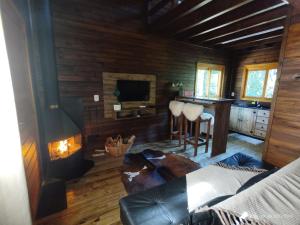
<point x="155" y="168"/>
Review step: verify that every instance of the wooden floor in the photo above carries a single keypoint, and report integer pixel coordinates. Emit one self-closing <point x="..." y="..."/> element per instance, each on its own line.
<point x="94" y="198"/>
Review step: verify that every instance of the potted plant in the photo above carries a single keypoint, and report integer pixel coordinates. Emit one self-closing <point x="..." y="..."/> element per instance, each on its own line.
<point x="179" y="86"/>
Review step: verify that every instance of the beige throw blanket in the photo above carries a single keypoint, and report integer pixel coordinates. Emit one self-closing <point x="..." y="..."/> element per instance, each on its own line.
<point x="214" y="181"/>
<point x="274" y="200"/>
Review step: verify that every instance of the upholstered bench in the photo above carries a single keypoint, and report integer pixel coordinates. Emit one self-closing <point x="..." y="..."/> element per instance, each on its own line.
<point x="167" y="203"/>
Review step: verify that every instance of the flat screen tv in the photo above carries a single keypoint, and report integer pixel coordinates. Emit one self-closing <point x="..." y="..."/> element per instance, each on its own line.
<point x="132" y="90"/>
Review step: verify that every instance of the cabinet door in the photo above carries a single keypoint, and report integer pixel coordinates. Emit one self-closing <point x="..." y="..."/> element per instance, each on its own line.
<point x="234" y="118"/>
<point x="247" y="123"/>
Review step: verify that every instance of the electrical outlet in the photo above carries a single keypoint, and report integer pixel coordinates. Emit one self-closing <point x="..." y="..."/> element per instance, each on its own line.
<point x="232" y="94"/>
<point x="96" y="98"/>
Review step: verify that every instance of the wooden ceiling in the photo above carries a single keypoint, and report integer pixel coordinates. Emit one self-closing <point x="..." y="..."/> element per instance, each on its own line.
<point x="233" y="24"/>
<point x="295" y="3"/>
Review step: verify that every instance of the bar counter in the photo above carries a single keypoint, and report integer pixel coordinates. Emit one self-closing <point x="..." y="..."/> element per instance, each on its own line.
<point x="221" y="107"/>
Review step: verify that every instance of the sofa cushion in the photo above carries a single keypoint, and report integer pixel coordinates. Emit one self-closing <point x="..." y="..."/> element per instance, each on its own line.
<point x="214" y="181"/>
<point x="163" y="205"/>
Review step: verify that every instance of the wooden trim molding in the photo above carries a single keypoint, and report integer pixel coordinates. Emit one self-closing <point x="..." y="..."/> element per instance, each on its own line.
<point x="264" y="66"/>
<point x="109" y="86"/>
<point x="209" y="67"/>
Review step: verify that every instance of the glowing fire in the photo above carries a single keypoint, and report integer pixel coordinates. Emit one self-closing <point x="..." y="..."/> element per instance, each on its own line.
<point x="63" y="146"/>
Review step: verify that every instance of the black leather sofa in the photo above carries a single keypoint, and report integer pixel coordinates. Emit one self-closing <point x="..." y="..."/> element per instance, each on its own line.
<point x="167" y="204"/>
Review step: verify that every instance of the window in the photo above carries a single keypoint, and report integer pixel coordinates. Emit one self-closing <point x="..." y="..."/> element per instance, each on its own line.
<point x="209" y="80"/>
<point x="259" y="82"/>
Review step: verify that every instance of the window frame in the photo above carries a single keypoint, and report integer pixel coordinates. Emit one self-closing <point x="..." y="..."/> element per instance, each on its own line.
<point x="210" y="67"/>
<point x="263" y="66"/>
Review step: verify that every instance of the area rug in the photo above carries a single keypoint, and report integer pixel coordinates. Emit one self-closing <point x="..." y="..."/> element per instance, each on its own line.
<point x="236" y="143"/>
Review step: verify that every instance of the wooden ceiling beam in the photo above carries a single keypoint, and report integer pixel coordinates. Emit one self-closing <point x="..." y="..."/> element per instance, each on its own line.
<point x="259" y="43"/>
<point x="183" y="9"/>
<point x="272" y="15"/>
<point x="208" y="12"/>
<point x="246" y="11"/>
<point x="254" y="38"/>
<point x="253" y="30"/>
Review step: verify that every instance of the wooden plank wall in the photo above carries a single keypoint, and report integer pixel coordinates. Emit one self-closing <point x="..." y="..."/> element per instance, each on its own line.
<point x="252" y="57"/>
<point x="16" y="41"/>
<point x="32" y="169"/>
<point x="284" y="131"/>
<point x="94" y="36"/>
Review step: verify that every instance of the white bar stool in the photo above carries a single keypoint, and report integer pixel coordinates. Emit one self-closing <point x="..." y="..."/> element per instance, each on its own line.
<point x="176" y="119"/>
<point x="193" y="115"/>
<point x="203" y="126"/>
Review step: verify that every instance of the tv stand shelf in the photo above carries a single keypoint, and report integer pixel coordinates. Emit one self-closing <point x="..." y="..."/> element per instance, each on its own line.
<point x="134" y="113"/>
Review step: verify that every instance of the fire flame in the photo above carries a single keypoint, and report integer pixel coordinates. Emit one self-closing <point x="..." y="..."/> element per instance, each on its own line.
<point x="63" y="146"/>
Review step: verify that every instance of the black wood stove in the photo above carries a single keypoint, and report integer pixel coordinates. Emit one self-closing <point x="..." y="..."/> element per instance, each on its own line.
<point x="60" y="120"/>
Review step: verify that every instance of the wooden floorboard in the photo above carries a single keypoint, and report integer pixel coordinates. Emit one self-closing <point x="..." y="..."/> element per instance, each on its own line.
<point x="94" y="198"/>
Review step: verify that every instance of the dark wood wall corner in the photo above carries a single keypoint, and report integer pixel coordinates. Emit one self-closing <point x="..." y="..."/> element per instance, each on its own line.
<point x="113" y="39"/>
<point x="282" y="144"/>
<point x="17" y="30"/>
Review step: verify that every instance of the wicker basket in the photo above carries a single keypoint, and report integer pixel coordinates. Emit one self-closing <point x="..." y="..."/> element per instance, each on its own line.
<point x="116" y="147"/>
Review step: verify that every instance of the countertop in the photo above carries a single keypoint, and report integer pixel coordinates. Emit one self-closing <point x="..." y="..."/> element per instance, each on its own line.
<point x="251" y="107"/>
<point x="204" y="100"/>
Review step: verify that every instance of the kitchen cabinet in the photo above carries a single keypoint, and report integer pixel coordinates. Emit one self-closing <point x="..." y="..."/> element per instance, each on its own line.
<point x="233" y="120"/>
<point x="249" y="121"/>
<point x="261" y="123"/>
